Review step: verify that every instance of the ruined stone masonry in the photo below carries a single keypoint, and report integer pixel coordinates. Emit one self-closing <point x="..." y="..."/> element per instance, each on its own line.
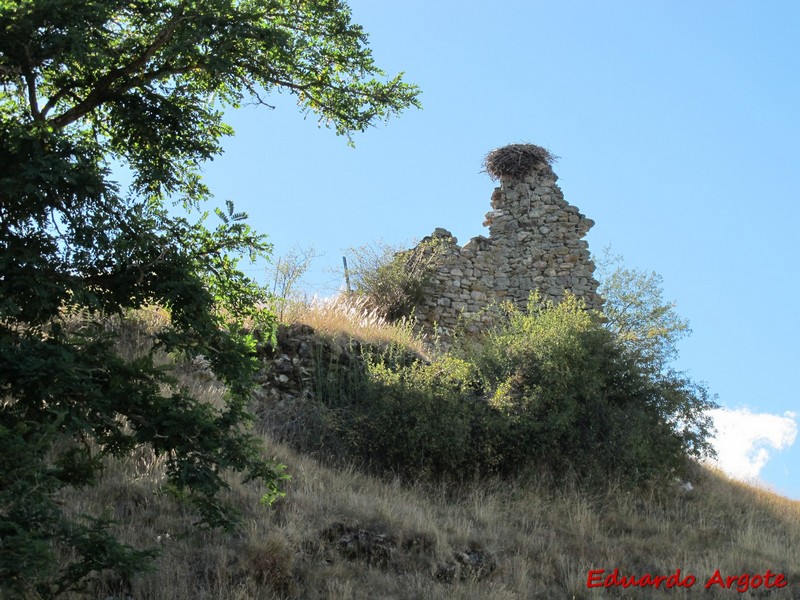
<point x="535" y="243"/>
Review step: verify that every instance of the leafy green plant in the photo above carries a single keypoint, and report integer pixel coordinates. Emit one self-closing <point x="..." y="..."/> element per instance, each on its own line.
<point x="551" y="390"/>
<point x="418" y="420"/>
<point x="393" y="280"/>
<point x="635" y="311"/>
<point x="286" y="273"/>
<point x="580" y="401"/>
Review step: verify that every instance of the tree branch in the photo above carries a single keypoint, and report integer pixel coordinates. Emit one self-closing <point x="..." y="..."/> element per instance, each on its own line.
<point x="167" y="69"/>
<point x="65" y="91"/>
<point x="298" y="87"/>
<point x="102" y="90"/>
<point x="30" y="82"/>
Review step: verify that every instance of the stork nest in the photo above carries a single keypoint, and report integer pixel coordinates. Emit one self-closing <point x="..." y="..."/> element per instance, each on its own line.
<point x="516" y="160"/>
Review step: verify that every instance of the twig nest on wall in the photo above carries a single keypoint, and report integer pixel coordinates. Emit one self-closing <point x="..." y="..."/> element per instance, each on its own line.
<point x="516" y="160"/>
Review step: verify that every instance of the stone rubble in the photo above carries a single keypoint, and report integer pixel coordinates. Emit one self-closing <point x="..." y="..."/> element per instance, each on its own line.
<point x="535" y="243"/>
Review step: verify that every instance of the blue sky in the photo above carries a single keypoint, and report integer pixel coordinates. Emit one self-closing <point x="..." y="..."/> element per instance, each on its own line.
<point x="677" y="126"/>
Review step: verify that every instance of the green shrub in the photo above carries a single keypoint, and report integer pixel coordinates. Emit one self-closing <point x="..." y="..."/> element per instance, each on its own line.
<point x="399" y="415"/>
<point x="551" y="390"/>
<point x="419" y="420"/>
<point x="394" y="281"/>
<point x="636" y="312"/>
<point x="579" y="401"/>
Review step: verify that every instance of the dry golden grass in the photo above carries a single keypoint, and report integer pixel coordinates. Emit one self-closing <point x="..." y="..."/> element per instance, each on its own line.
<point x="544" y="544"/>
<point x="534" y="543"/>
<point x="348" y="317"/>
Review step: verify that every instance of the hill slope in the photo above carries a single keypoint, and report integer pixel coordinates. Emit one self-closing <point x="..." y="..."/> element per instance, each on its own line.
<point x="342" y="534"/>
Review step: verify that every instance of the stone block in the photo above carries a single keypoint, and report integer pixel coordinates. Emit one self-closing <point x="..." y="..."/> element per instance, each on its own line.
<point x="535" y="242"/>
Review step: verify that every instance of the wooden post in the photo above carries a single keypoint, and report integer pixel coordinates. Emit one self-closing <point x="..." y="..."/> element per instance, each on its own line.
<point x="346" y="274"/>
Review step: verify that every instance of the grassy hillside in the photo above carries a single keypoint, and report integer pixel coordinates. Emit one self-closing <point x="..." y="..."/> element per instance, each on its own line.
<point x="340" y="533"/>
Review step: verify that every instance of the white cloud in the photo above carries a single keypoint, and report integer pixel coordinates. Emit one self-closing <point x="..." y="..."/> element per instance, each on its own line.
<point x="745" y="439"/>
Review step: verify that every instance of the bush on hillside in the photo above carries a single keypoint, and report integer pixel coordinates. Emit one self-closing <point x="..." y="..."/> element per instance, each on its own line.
<point x="394" y="281"/>
<point x="578" y="399"/>
<point x="637" y="313"/>
<point x="551" y="390"/>
<point x="425" y="420"/>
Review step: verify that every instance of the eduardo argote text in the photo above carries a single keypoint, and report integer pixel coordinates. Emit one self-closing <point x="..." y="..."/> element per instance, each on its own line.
<point x="741" y="582"/>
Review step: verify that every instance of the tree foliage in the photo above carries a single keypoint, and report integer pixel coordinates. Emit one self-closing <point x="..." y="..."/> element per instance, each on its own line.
<point x="88" y="85"/>
<point x="579" y="397"/>
<point x="637" y="313"/>
<point x="550" y="390"/>
<point x="286" y="273"/>
<point x="393" y="280"/>
<point x="650" y="328"/>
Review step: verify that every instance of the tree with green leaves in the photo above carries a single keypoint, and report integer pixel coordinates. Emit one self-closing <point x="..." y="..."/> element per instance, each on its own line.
<point x="576" y="396"/>
<point x="635" y="310"/>
<point x="144" y="84"/>
<point x="649" y="327"/>
<point x="286" y="273"/>
<point x="393" y="280"/>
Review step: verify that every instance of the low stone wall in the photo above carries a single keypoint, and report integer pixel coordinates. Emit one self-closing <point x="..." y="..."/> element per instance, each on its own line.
<point x="535" y="243"/>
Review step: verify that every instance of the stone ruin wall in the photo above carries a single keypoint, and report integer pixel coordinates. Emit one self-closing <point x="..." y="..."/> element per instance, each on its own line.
<point x="535" y="243"/>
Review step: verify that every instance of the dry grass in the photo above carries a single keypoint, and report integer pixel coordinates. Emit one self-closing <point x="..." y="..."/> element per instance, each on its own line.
<point x="347" y="317"/>
<point x="533" y="543"/>
<point x="544" y="544"/>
